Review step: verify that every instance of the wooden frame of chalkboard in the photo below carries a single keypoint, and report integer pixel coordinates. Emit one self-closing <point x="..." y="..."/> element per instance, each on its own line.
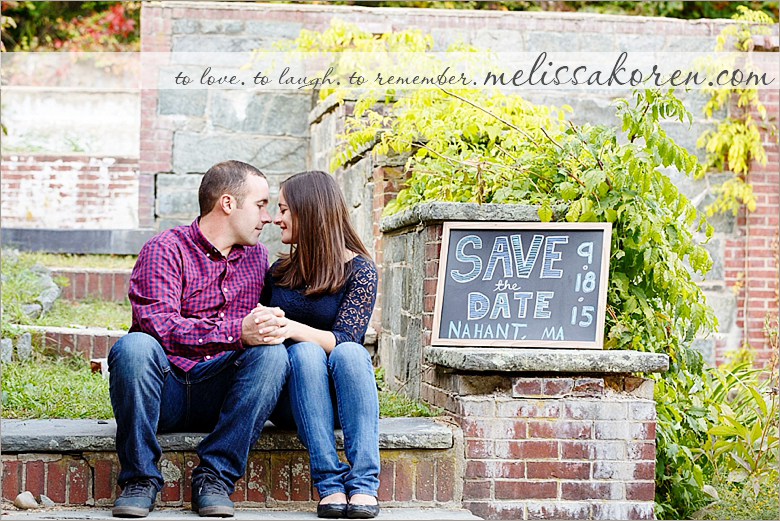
<point x="522" y="306"/>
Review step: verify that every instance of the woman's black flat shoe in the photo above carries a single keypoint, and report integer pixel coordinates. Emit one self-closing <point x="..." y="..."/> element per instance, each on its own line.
<point x="362" y="511"/>
<point x="332" y="510"/>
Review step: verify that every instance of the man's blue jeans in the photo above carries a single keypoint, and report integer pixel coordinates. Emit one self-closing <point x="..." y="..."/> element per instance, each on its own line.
<point x="348" y="374"/>
<point x="229" y="397"/>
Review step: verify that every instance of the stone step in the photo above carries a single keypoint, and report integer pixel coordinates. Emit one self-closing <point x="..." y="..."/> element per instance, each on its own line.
<point x="99" y="283"/>
<point x="423" y="514"/>
<point x="91" y="342"/>
<point x="73" y="463"/>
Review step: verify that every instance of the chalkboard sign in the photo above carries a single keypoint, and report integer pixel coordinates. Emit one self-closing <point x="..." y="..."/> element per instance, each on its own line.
<point x="522" y="284"/>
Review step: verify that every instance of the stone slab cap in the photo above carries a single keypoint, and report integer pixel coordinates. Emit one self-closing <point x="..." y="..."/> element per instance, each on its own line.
<point x="488" y="359"/>
<point x="23" y="436"/>
<point x="428" y="213"/>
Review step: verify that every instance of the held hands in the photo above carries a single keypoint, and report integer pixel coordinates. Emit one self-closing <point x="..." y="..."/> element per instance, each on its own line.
<point x="264" y="326"/>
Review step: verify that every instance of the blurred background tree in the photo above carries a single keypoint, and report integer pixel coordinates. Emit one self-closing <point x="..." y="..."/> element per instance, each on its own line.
<point x="679" y="9"/>
<point x="71" y="26"/>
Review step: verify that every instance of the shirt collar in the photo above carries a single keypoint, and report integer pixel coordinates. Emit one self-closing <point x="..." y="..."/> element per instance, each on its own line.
<point x="211" y="251"/>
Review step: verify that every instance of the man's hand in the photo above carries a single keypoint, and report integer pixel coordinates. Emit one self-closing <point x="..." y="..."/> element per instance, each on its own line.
<point x="264" y="326"/>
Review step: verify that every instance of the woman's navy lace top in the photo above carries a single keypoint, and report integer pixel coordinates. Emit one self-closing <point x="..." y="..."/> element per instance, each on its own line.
<point x="345" y="313"/>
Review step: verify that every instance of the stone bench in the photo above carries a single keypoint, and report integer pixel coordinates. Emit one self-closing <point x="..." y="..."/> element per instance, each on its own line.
<point x="74" y="462"/>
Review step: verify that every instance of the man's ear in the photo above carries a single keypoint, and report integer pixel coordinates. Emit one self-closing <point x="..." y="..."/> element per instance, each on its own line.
<point x="227" y="203"/>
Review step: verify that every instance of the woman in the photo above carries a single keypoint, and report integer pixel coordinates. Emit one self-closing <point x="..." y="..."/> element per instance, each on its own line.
<point x="326" y="287"/>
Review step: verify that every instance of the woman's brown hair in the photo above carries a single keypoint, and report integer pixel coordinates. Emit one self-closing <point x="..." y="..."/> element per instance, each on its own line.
<point x="323" y="229"/>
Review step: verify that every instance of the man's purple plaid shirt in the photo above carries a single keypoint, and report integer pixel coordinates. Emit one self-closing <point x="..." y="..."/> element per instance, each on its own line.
<point x="191" y="298"/>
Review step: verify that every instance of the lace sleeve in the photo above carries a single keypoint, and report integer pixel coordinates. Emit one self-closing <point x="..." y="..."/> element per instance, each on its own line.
<point x="357" y="305"/>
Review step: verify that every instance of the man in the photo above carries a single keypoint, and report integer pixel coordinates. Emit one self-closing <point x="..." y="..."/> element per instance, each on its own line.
<point x="194" y="359"/>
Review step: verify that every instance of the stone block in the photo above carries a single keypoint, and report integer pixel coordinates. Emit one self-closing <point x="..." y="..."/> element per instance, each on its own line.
<point x="197" y="153"/>
<point x="596" y="42"/>
<point x="177" y="195"/>
<point x="721" y="222"/>
<point x="686" y="136"/>
<point x="273" y="30"/>
<point x="24" y="346"/>
<point x="269" y="114"/>
<point x="724" y="305"/>
<point x="677" y="43"/>
<point x="550" y="42"/>
<point x="163" y="224"/>
<point x="706" y="347"/>
<point x="182" y="102"/>
<point x="7" y="350"/>
<point x="221" y="26"/>
<point x="443" y="38"/>
<point x="353" y="182"/>
<point x="695" y="101"/>
<point x="32" y="310"/>
<point x="715" y="249"/>
<point x="47" y="298"/>
<point x="197" y="43"/>
<point x="499" y="39"/>
<point x="183" y="26"/>
<point x="638" y="43"/>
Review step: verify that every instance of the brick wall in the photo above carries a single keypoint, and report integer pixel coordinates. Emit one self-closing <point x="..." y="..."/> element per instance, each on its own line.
<point x="553" y="447"/>
<point x="74" y="192"/>
<point x="107" y="285"/>
<point x="751" y="256"/>
<point x="89" y="342"/>
<point x="274" y="479"/>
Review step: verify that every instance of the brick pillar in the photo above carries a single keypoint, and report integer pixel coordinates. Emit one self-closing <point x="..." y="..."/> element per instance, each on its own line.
<point x="156" y="133"/>
<point x="553" y="447"/>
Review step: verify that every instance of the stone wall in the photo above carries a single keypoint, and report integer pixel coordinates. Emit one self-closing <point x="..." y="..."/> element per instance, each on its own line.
<point x="183" y="132"/>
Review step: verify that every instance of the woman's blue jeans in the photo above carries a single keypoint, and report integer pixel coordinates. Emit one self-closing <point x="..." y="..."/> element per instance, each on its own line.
<point x="229" y="397"/>
<point x="347" y="372"/>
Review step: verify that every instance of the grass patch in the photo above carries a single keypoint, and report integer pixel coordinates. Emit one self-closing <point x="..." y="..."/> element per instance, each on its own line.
<point x="47" y="387"/>
<point x="20" y="286"/>
<point x="88" y="313"/>
<point x="392" y="404"/>
<point x="71" y="260"/>
<point x="54" y="387"/>
<point x="732" y="505"/>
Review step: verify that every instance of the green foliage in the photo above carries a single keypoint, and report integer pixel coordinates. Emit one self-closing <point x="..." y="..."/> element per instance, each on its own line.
<point x="732" y="504"/>
<point x="392" y="404"/>
<point x="46" y="387"/>
<point x="672" y="9"/>
<point x="736" y="141"/>
<point x="73" y="26"/>
<point x="714" y="426"/>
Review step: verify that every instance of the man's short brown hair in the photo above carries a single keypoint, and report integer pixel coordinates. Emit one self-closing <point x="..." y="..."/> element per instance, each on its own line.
<point x="228" y="177"/>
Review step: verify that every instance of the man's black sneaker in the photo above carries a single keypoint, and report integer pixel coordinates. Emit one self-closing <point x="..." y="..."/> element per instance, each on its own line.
<point x="136" y="499"/>
<point x="210" y="497"/>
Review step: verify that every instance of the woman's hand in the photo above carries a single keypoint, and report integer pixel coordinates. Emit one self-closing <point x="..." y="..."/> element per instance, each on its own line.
<point x="264" y="326"/>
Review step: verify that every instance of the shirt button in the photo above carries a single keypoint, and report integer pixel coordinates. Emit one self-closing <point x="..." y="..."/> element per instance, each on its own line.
<point x="222" y="315"/>
<point x="224" y="290"/>
<point x="230" y="339"/>
<point x="208" y="357"/>
<point x="200" y="340"/>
